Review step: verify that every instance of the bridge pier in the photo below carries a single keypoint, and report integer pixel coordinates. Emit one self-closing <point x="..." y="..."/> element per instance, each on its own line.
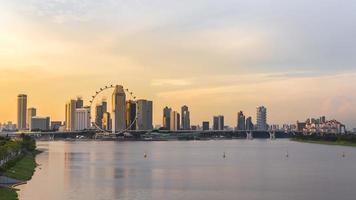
<point x="249" y="136"/>
<point x="272" y="135"/>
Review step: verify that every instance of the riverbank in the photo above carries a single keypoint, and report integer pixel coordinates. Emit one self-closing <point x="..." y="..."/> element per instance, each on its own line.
<point x="337" y="143"/>
<point x="17" y="164"/>
<point x="20" y="171"/>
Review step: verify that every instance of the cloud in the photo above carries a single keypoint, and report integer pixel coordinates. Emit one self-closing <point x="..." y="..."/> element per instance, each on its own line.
<point x="289" y="98"/>
<point x="170" y="82"/>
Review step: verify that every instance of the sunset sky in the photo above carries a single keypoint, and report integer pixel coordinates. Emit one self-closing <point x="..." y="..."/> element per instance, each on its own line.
<point x="295" y="57"/>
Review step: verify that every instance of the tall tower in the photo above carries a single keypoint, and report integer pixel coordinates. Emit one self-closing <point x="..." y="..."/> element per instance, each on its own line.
<point x="174" y="121"/>
<point x="99" y="115"/>
<point x="70" y="115"/>
<point x="249" y="124"/>
<point x="185" y="118"/>
<point x="241" y="121"/>
<point x="261" y="117"/>
<point x="167" y="118"/>
<point x="21" y="111"/>
<point x="131" y="115"/>
<point x="144" y="114"/>
<point x="118" y="109"/>
<point x="31" y="112"/>
<point x="218" y="122"/>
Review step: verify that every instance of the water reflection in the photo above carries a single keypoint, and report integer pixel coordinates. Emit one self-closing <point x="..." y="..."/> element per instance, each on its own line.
<point x="255" y="169"/>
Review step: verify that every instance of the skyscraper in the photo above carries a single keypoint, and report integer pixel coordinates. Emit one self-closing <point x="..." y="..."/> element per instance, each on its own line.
<point x="118" y="109"/>
<point x="21" y="111"/>
<point x="221" y="122"/>
<point x="174" y="121"/>
<point x="99" y="115"/>
<point x="249" y="124"/>
<point x="241" y="122"/>
<point x="144" y="114"/>
<point x="261" y="117"/>
<point x="106" y="122"/>
<point x="100" y="109"/>
<point x="70" y="115"/>
<point x="185" y="118"/>
<point x="131" y="115"/>
<point x="218" y="122"/>
<point x="104" y="105"/>
<point x="31" y="112"/>
<point x="79" y="103"/>
<point x="167" y="118"/>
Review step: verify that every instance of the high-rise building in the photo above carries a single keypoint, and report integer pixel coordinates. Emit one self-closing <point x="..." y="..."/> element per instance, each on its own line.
<point x="118" y="109"/>
<point x="100" y="109"/>
<point x="185" y="118"/>
<point x="82" y="119"/>
<point x="206" y="126"/>
<point x="40" y="123"/>
<point x="175" y="121"/>
<point x="261" y="117"/>
<point x="144" y="114"/>
<point x="131" y="115"/>
<point x="79" y="103"/>
<point x="104" y="105"/>
<point x="249" y="124"/>
<point x="241" y="122"/>
<point x="31" y="112"/>
<point x="218" y="122"/>
<point x="99" y="115"/>
<point x="167" y="118"/>
<point x="106" y="122"/>
<point x="21" y="111"/>
<point x="70" y="115"/>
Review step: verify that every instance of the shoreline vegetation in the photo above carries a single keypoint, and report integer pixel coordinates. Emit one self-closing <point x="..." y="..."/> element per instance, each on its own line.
<point x="329" y="139"/>
<point x="19" y="167"/>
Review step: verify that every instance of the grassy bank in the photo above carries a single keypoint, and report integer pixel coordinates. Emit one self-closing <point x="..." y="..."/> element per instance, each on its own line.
<point x="8" y="194"/>
<point x="22" y="167"/>
<point x="339" y="143"/>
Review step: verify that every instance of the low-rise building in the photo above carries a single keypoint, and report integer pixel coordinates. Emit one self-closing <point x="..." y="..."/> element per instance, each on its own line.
<point x="323" y="126"/>
<point x="40" y="123"/>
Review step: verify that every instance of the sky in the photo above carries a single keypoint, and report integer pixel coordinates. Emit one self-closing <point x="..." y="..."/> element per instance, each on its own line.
<point x="295" y="57"/>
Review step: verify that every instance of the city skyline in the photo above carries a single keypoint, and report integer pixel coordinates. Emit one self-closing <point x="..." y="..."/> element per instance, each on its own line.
<point x="233" y="55"/>
<point x="144" y="115"/>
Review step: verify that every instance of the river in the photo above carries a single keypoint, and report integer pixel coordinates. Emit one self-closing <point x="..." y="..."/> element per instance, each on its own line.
<point x="252" y="170"/>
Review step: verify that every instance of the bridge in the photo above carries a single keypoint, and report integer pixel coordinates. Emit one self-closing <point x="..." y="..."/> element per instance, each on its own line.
<point x="156" y="134"/>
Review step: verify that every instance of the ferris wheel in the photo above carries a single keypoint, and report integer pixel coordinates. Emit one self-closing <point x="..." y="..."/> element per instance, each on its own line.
<point x="129" y="95"/>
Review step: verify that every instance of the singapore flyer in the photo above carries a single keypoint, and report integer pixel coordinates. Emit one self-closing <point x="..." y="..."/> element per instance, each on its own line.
<point x="116" y="117"/>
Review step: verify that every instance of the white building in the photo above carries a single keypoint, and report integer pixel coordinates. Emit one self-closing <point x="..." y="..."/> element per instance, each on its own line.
<point x="82" y="119"/>
<point x="261" y="117"/>
<point x="144" y="115"/>
<point x="327" y="127"/>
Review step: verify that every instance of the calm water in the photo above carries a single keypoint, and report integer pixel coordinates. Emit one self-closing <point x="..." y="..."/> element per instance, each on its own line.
<point x="257" y="169"/>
